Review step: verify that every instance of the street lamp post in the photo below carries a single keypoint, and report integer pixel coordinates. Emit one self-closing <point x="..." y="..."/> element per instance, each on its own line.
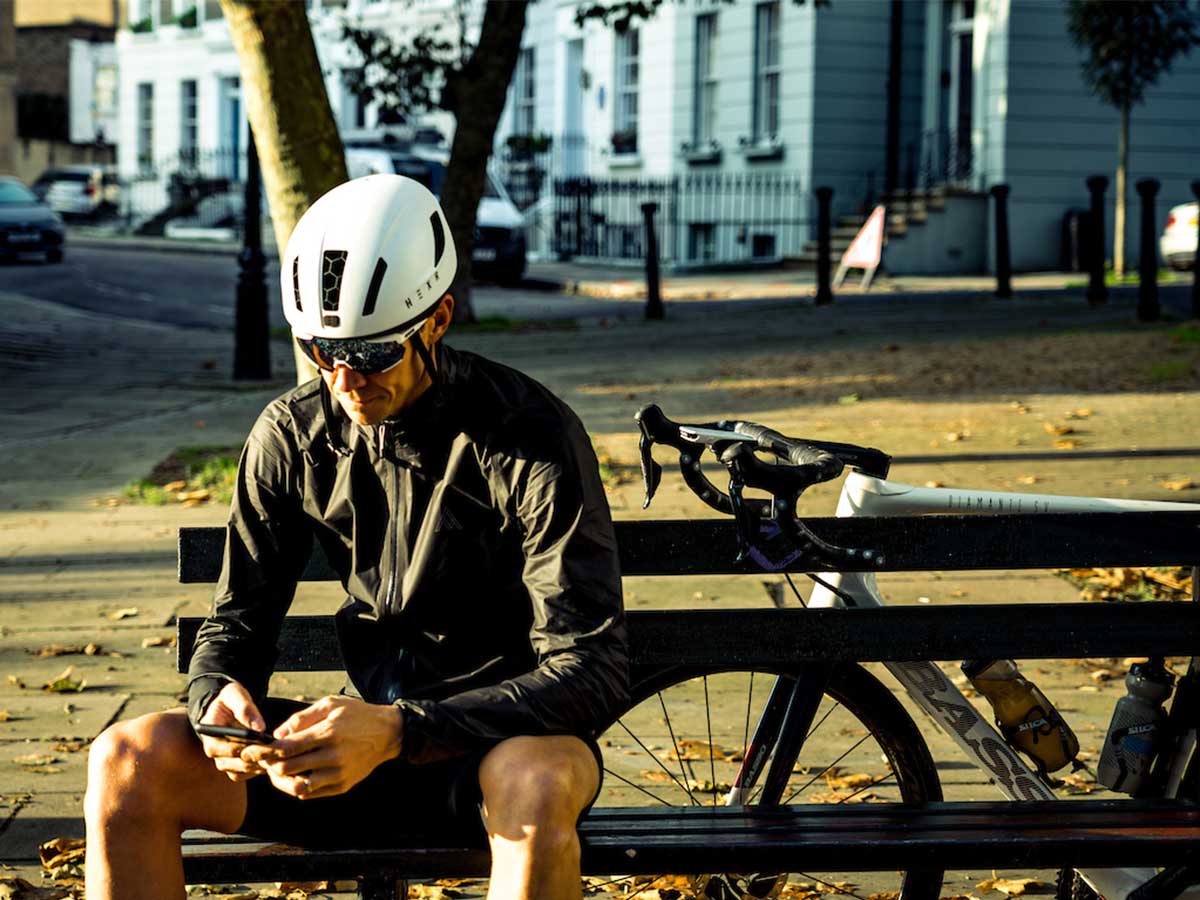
<point x="251" y="341"/>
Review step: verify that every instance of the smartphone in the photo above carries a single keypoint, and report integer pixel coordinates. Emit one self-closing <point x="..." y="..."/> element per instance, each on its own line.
<point x="235" y="734"/>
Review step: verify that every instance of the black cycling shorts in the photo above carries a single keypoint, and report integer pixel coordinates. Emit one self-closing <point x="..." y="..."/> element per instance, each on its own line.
<point x="396" y="800"/>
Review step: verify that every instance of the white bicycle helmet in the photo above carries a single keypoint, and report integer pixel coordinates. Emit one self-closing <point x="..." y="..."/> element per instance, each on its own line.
<point x="369" y="260"/>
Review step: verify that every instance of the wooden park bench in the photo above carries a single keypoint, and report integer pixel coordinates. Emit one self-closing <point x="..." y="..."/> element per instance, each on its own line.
<point x="864" y="837"/>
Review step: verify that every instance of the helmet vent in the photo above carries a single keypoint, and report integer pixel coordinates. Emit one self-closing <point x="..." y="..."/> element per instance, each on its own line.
<point x="439" y="237"/>
<point x="296" y="281"/>
<point x="373" y="290"/>
<point x="333" y="264"/>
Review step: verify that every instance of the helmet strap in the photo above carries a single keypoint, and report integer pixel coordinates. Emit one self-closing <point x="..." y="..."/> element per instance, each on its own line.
<point x="427" y="360"/>
<point x="333" y="428"/>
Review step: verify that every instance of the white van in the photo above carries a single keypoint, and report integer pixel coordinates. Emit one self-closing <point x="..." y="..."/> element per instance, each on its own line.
<point x="499" y="228"/>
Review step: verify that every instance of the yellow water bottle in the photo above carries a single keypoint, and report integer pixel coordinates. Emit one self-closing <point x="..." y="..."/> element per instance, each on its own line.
<point x="1028" y="721"/>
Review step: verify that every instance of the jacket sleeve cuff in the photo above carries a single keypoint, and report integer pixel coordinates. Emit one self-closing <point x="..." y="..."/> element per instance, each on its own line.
<point x="202" y="690"/>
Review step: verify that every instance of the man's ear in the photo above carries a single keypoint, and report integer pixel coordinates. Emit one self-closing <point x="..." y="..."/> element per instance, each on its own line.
<point x="440" y="320"/>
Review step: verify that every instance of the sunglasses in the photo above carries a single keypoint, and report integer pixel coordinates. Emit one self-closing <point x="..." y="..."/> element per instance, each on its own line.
<point x="362" y="356"/>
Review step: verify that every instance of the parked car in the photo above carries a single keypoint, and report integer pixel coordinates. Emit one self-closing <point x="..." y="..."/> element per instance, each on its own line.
<point x="85" y="191"/>
<point x="26" y="224"/>
<point x="1178" y="241"/>
<point x="499" y="250"/>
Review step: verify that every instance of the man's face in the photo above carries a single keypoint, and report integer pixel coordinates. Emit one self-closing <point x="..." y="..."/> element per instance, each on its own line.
<point x="369" y="399"/>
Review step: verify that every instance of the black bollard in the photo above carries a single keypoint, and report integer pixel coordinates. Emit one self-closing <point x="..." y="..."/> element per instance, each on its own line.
<point x="1097" y="291"/>
<point x="251" y="338"/>
<point x="824" y="256"/>
<point x="1147" y="309"/>
<point x="1196" y="261"/>
<point x="1003" y="255"/>
<point x="654" y="304"/>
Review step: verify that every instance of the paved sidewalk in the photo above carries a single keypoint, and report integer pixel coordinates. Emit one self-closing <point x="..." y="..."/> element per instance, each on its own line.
<point x="628" y="282"/>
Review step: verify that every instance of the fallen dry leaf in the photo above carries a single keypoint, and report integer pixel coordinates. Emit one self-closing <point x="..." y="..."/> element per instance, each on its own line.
<point x="1076" y="783"/>
<point x="65" y="683"/>
<point x="127" y="613"/>
<point x="656" y="775"/>
<point x="1011" y="886"/>
<point x="1183" y="484"/>
<point x="1027" y="479"/>
<point x="20" y="889"/>
<point x="173" y="486"/>
<point x="199" y="496"/>
<point x="5" y="715"/>
<point x="934" y="484"/>
<point x="15" y="680"/>
<point x="1052" y="428"/>
<point x="61" y="851"/>
<point x="704" y="786"/>
<point x="1067" y="444"/>
<point x="160" y="641"/>
<point x="852" y="781"/>
<point x="1079" y="413"/>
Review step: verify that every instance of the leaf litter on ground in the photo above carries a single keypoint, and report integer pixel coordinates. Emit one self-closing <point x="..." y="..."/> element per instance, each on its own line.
<point x="1128" y="583"/>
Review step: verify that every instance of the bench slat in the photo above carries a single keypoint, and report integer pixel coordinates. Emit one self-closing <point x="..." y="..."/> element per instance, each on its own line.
<point x="772" y="636"/>
<point x="640" y="841"/>
<point x="908" y="543"/>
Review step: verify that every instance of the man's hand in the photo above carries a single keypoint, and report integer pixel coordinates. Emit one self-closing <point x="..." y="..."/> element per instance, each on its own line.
<point x="233" y="706"/>
<point x="327" y="748"/>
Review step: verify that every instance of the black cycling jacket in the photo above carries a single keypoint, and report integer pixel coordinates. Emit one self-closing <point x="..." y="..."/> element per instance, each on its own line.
<point x="474" y="539"/>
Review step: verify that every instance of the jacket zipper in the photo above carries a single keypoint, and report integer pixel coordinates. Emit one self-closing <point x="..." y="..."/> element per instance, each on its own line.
<point x="389" y="603"/>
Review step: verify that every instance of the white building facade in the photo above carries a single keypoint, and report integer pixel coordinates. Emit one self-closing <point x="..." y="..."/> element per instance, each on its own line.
<point x="990" y="93"/>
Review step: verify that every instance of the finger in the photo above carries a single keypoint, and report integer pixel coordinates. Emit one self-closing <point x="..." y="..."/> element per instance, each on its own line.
<point x="285" y="748"/>
<point x="236" y="765"/>
<point x="319" y="759"/>
<point x="305" y="718"/>
<point x="215" y="748"/>
<point x="239" y="702"/>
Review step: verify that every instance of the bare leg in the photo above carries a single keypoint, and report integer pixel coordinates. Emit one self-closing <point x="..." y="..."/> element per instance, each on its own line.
<point x="148" y="781"/>
<point x="534" y="789"/>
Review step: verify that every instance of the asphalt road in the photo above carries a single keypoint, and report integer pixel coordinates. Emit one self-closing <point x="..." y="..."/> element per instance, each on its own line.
<point x="188" y="289"/>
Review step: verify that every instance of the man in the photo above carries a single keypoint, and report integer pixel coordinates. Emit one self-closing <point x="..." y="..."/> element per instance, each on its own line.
<point x="483" y="633"/>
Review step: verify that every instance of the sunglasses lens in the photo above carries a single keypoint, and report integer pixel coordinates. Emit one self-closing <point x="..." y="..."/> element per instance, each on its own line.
<point x="364" y="357"/>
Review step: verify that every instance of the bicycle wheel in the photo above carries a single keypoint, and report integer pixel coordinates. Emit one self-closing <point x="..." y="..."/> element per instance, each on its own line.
<point x="681" y="743"/>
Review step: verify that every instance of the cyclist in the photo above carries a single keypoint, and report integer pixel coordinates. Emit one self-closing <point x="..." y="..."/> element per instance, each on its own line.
<point x="483" y="635"/>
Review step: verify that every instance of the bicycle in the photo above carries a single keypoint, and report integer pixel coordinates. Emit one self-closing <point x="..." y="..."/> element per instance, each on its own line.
<point x="808" y="699"/>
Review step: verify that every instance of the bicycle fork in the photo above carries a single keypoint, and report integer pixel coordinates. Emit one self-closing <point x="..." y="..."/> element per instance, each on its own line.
<point x="783" y="726"/>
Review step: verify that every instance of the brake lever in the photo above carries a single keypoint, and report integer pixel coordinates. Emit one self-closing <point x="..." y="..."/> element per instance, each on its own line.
<point x="651" y="470"/>
<point x="745" y="523"/>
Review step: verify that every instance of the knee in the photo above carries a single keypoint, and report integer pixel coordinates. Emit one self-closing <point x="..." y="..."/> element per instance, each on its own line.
<point x="131" y="767"/>
<point x="538" y="787"/>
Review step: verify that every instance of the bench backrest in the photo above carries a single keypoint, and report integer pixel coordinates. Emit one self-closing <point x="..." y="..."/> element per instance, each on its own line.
<point x="687" y="638"/>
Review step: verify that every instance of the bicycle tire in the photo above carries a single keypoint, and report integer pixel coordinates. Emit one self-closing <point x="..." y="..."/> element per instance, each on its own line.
<point x="1070" y="886"/>
<point x="855" y="702"/>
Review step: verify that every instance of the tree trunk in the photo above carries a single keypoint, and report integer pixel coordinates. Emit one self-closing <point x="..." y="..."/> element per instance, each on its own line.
<point x="284" y="94"/>
<point x="1119" y="216"/>
<point x="478" y="93"/>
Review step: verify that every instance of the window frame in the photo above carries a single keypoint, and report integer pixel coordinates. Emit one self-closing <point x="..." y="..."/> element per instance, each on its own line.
<point x="704" y="80"/>
<point x="525" y="93"/>
<point x="145" y="126"/>
<point x="627" y="88"/>
<point x="767" y="72"/>
<point x="189" y="120"/>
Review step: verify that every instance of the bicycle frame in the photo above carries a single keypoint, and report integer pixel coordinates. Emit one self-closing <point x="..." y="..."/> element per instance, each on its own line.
<point x="866" y="495"/>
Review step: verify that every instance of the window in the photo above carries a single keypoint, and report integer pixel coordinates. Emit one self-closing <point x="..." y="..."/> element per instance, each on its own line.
<point x="353" y="111"/>
<point x="140" y="18"/>
<point x="187" y="122"/>
<point x="702" y="241"/>
<point x="704" y="88"/>
<point x="145" y="122"/>
<point x="523" y="93"/>
<point x="625" y="125"/>
<point x="766" y="72"/>
<point x="212" y="11"/>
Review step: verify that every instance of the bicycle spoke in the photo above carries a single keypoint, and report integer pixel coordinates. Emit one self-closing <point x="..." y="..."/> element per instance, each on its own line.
<point x="638" y="787"/>
<point x="867" y="787"/>
<point x="712" y="766"/>
<point x="862" y="740"/>
<point x="812" y="731"/>
<point x="682" y="786"/>
<point x="678" y="753"/>
<point x="795" y="590"/>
